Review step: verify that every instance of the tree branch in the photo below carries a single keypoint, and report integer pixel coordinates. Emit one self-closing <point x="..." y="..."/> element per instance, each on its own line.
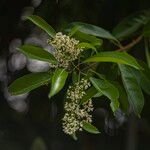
<point x="130" y="45"/>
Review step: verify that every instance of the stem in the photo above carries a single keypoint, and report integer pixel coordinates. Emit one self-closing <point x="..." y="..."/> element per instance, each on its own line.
<point x="88" y="66"/>
<point x="121" y="48"/>
<point x="78" y="68"/>
<point x="118" y="44"/>
<point x="130" y="45"/>
<point x="75" y="67"/>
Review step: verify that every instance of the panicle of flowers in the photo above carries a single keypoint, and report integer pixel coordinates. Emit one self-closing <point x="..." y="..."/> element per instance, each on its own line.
<point x="76" y="114"/>
<point x="65" y="49"/>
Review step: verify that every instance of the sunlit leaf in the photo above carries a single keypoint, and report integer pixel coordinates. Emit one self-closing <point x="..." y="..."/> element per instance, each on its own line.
<point x="42" y="24"/>
<point x="29" y="82"/>
<point x="84" y="45"/>
<point x="133" y="90"/>
<point x="107" y="89"/>
<point x="35" y="52"/>
<point x="114" y="56"/>
<point x="58" y="81"/>
<point x="90" y="128"/>
<point x="83" y="37"/>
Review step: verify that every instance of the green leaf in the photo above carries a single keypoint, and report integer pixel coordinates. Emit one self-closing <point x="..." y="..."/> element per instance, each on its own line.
<point x="93" y="30"/>
<point x="58" y="81"/>
<point x="90" y="128"/>
<point x="84" y="45"/>
<point x="35" y="52"/>
<point x="130" y="25"/>
<point x="134" y="93"/>
<point x="74" y="30"/>
<point x="97" y="95"/>
<point x="91" y="92"/>
<point x="82" y="37"/>
<point x="107" y="89"/>
<point x="143" y="77"/>
<point x="74" y="136"/>
<point x="42" y="24"/>
<point x="123" y="100"/>
<point x="28" y="83"/>
<point x="114" y="56"/>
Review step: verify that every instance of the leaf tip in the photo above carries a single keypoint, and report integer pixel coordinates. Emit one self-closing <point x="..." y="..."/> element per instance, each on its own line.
<point x="74" y="137"/>
<point x="50" y="95"/>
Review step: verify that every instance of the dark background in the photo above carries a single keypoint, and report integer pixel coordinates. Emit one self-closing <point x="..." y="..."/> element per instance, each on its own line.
<point x="20" y="130"/>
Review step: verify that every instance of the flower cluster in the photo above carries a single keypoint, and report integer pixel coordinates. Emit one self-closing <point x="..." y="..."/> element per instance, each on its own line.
<point x="76" y="114"/>
<point x="65" y="49"/>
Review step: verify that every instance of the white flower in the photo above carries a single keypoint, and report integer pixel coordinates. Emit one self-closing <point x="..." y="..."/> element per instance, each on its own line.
<point x="65" y="49"/>
<point x="76" y="114"/>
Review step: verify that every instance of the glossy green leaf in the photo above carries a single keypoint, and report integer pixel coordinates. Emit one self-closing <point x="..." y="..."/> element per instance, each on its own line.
<point x="84" y="45"/>
<point x="134" y="93"/>
<point x="130" y="25"/>
<point x="82" y="37"/>
<point x="107" y="89"/>
<point x="90" y="128"/>
<point x="42" y="24"/>
<point x="58" y="81"/>
<point x="143" y="77"/>
<point x="35" y="52"/>
<point x="91" y="92"/>
<point x="123" y="99"/>
<point x="29" y="82"/>
<point x="97" y="95"/>
<point x="114" y="56"/>
<point x="93" y="30"/>
<point x="74" y="30"/>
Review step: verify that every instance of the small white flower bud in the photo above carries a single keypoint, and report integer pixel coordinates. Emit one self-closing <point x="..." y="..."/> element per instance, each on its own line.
<point x="75" y="115"/>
